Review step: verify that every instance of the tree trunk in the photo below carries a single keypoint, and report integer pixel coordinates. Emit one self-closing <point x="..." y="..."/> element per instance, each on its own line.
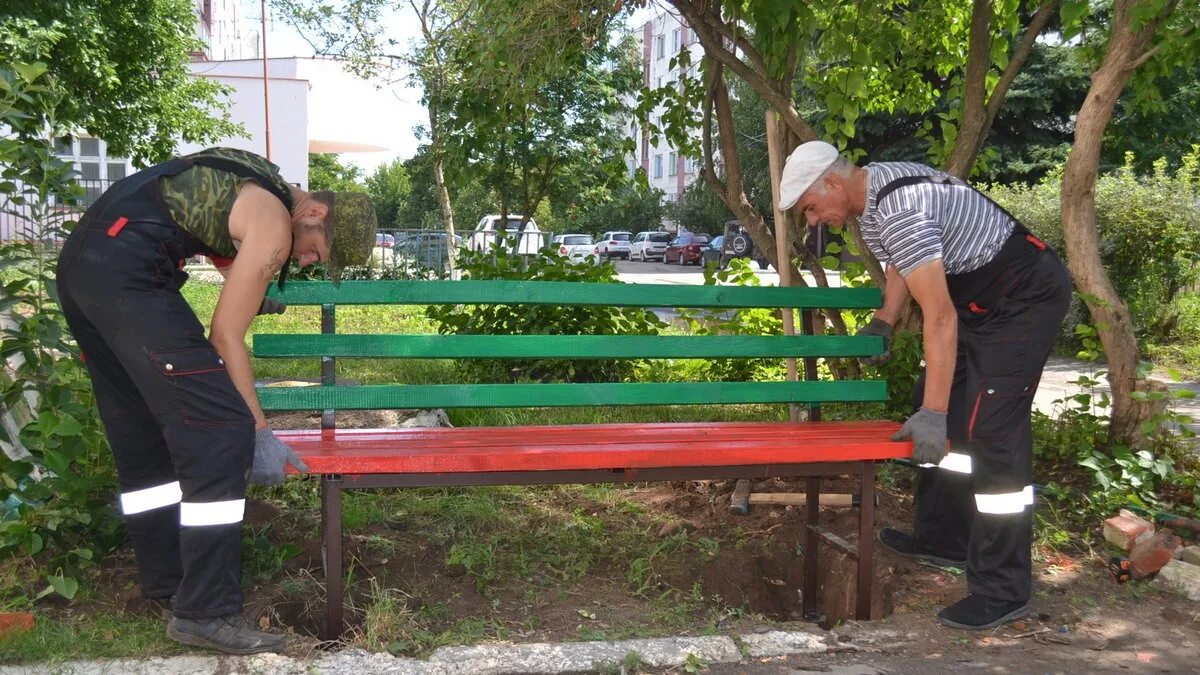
<point x="439" y="179"/>
<point x="1109" y="312"/>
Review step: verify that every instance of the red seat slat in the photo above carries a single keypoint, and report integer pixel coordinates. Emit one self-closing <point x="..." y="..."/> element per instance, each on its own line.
<point x="599" y="446"/>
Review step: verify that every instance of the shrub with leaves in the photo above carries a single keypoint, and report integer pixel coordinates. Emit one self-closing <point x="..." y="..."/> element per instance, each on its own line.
<point x="498" y="263"/>
<point x="1149" y="230"/>
<point x="57" y="487"/>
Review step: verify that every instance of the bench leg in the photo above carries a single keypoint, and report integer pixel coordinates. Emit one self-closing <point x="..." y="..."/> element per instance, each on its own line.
<point x="812" y="511"/>
<point x="331" y="524"/>
<point x="866" y="540"/>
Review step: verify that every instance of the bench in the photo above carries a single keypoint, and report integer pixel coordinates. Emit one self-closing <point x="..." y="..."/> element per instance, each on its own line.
<point x="358" y="459"/>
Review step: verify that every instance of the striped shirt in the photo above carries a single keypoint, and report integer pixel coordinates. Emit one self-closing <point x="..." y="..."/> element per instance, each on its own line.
<point x="927" y="221"/>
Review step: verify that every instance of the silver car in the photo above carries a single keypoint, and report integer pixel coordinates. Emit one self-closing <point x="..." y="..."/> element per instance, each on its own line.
<point x="649" y="245"/>
<point x="574" y="247"/>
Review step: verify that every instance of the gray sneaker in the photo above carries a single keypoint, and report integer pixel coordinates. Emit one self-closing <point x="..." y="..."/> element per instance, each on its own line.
<point x="230" y="634"/>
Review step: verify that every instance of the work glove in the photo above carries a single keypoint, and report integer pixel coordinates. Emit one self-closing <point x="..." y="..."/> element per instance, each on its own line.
<point x="271" y="455"/>
<point x="884" y="330"/>
<point x="927" y="430"/>
<point x="271" y="306"/>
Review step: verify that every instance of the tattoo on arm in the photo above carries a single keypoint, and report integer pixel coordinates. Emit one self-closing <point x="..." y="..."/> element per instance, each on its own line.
<point x="269" y="270"/>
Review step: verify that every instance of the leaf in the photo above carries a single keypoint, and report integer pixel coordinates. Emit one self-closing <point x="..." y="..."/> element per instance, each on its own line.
<point x="33" y="543"/>
<point x="64" y="586"/>
<point x="585" y="613"/>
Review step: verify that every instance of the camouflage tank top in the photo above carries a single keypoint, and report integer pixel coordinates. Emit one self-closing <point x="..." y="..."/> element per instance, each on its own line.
<point x="201" y="198"/>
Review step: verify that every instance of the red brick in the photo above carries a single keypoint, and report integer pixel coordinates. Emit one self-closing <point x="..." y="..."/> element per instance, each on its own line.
<point x="1126" y="529"/>
<point x="1150" y="555"/>
<point x="15" y="622"/>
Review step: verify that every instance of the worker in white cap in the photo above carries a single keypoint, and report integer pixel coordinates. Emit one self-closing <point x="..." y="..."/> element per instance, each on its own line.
<point x="992" y="297"/>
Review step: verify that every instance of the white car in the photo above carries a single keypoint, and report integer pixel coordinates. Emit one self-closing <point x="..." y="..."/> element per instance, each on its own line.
<point x="489" y="233"/>
<point x="649" y="245"/>
<point x="574" y="247"/>
<point x="613" y="245"/>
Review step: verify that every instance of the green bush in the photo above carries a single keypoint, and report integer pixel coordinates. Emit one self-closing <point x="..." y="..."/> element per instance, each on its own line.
<point x="498" y="263"/>
<point x="56" y="496"/>
<point x="1149" y="229"/>
<point x="742" y="321"/>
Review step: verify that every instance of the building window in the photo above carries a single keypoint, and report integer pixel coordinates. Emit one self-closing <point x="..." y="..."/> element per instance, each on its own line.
<point x="89" y="170"/>
<point x="62" y="146"/>
<point x="89" y="147"/>
<point x="658" y="166"/>
<point x="660" y="44"/>
<point x="675" y="41"/>
<point x="672" y="163"/>
<point x="116" y="170"/>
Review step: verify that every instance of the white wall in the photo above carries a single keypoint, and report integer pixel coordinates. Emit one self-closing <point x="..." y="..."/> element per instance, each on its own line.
<point x="289" y="116"/>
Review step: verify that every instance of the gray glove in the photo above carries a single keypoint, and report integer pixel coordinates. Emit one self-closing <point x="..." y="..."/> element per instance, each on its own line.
<point x="271" y="306"/>
<point x="927" y="429"/>
<point x="270" y="457"/>
<point x="884" y="330"/>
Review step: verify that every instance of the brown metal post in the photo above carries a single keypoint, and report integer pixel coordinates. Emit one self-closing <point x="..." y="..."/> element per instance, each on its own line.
<point x="809" y="321"/>
<point x="866" y="541"/>
<point x="812" y="540"/>
<point x="331" y="539"/>
<point x="328" y="363"/>
<point x="266" y="83"/>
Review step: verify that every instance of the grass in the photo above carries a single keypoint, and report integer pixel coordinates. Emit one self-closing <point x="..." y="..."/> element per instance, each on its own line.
<point x="97" y="635"/>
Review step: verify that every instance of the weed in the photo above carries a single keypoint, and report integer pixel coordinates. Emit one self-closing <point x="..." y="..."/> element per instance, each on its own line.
<point x="694" y="664"/>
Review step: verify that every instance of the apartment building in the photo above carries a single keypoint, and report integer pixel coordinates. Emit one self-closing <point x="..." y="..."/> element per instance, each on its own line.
<point x="662" y="38"/>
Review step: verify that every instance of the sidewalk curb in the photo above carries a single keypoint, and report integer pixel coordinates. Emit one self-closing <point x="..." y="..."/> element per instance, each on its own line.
<point x="498" y="659"/>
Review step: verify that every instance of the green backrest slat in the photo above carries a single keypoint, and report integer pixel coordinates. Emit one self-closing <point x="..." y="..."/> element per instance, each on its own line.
<point x="571" y="293"/>
<point x="562" y="346"/>
<point x="373" y="397"/>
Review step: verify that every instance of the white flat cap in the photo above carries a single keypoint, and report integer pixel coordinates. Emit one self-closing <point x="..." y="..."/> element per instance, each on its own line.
<point x="806" y="163"/>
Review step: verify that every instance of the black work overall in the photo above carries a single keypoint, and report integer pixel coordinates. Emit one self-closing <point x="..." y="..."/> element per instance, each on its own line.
<point x="182" y="435"/>
<point x="978" y="504"/>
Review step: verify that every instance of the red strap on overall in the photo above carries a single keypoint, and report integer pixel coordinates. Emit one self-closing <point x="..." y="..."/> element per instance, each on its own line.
<point x="117" y="226"/>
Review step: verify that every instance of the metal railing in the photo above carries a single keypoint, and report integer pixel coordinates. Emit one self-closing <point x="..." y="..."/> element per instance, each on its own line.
<point x="30" y="222"/>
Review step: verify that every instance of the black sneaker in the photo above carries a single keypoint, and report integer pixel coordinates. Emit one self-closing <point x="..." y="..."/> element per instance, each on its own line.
<point x="979" y="612"/>
<point x="230" y="634"/>
<point x="901" y="543"/>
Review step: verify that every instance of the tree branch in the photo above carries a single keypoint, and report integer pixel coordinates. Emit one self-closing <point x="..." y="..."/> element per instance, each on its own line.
<point x="1158" y="47"/>
<point x="771" y="91"/>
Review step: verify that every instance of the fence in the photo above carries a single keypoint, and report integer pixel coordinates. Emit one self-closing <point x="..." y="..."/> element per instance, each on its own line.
<point x="28" y="222"/>
<point x="423" y="254"/>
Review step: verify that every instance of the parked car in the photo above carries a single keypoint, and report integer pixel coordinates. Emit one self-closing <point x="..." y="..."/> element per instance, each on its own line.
<point x="613" y="245"/>
<point x="426" y="250"/>
<point x="574" y="247"/>
<point x="385" y="240"/>
<point x="647" y="245"/>
<point x="738" y="244"/>
<point x="711" y="253"/>
<point x="488" y="233"/>
<point x="685" y="248"/>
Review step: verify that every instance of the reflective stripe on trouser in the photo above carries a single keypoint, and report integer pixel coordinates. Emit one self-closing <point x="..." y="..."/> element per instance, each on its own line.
<point x="986" y="516"/>
<point x="170" y="410"/>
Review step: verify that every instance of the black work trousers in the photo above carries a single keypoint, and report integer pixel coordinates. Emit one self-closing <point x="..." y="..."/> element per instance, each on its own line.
<point x="182" y="435"/>
<point x="978" y="504"/>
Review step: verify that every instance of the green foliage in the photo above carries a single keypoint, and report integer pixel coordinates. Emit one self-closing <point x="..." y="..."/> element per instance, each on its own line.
<point x="553" y="142"/>
<point x="389" y="188"/>
<point x="741" y="321"/>
<point x="120" y="69"/>
<point x="631" y="207"/>
<point x="1093" y="479"/>
<point x="1149" y="229"/>
<point x="327" y="172"/>
<point x="541" y="319"/>
<point x="55" y="498"/>
<point x="699" y="210"/>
